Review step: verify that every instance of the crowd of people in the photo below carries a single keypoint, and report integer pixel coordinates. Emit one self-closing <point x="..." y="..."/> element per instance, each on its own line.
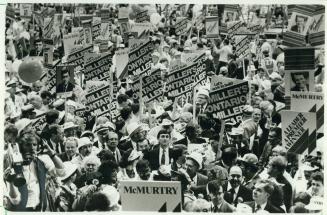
<point x="75" y="163"/>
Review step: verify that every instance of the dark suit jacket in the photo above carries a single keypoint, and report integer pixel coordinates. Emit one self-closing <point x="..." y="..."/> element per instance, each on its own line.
<point x="232" y="69"/>
<point x="295" y="28"/>
<point x="269" y="207"/>
<point x="296" y="88"/>
<point x="153" y="157"/>
<point x="63" y="156"/>
<point x="243" y="192"/>
<point x="61" y="87"/>
<point x="225" y="208"/>
<point x="200" y="185"/>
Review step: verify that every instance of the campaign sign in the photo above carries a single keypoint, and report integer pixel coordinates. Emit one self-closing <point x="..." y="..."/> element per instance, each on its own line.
<point x="165" y="196"/>
<point x="180" y="83"/>
<point x="227" y="98"/>
<point x="97" y="66"/>
<point x="212" y="27"/>
<point x="309" y="102"/>
<point x="98" y="99"/>
<point x="299" y="131"/>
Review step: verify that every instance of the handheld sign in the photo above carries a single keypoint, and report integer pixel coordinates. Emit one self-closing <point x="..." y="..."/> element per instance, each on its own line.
<point x="298" y="131"/>
<point x="212" y="27"/>
<point x="165" y="196"/>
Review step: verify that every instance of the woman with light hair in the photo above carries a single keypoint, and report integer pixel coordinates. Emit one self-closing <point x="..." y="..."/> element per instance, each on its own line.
<point x="91" y="163"/>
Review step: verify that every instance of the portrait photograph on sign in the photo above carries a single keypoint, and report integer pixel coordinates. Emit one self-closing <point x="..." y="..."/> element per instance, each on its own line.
<point x="299" y="23"/>
<point x="65" y="82"/>
<point x="299" y="81"/>
<point x="149" y="107"/>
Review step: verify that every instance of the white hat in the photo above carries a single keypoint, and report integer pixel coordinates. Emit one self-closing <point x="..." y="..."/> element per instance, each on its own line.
<point x="187" y="49"/>
<point x="70" y="169"/>
<point x="156" y="54"/>
<point x="275" y="75"/>
<point x="112" y="194"/>
<point x="166" y="122"/>
<point x="134" y="155"/>
<point x="58" y="102"/>
<point x="237" y="131"/>
<point x="22" y="123"/>
<point x="247" y="109"/>
<point x="316" y="203"/>
<point x="83" y="142"/>
<point x="27" y="107"/>
<point x="194" y="38"/>
<point x="197" y="157"/>
<point x="68" y="125"/>
<point x="203" y="92"/>
<point x="132" y="127"/>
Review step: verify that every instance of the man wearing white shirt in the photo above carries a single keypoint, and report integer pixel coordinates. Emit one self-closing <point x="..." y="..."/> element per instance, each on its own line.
<point x="31" y="195"/>
<point x="224" y="52"/>
<point x="262" y="190"/>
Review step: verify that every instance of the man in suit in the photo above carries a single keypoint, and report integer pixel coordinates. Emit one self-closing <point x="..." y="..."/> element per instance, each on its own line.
<point x="300" y="24"/>
<point x="276" y="168"/>
<point x="216" y="194"/>
<point x="71" y="145"/>
<point x="65" y="85"/>
<point x="161" y="154"/>
<point x="112" y="146"/>
<point x="235" y="192"/>
<point x="300" y="80"/>
<point x="56" y="138"/>
<point x="198" y="181"/>
<point x="262" y="190"/>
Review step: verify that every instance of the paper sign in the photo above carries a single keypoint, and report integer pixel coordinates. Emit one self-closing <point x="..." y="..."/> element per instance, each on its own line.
<point x="298" y="131"/>
<point x="164" y="196"/>
<point x="212" y="27"/>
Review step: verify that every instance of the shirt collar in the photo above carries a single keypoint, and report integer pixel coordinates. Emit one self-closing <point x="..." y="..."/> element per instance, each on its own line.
<point x="262" y="206"/>
<point x="229" y="186"/>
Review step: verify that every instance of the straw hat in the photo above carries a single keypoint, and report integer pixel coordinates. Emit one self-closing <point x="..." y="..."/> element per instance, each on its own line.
<point x="197" y="157"/>
<point x="70" y="169"/>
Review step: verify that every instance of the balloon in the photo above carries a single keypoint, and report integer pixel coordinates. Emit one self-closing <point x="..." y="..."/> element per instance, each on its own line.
<point x="30" y="70"/>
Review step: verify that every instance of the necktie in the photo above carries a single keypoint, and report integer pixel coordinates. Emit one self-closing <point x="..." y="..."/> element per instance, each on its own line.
<point x="114" y="153"/>
<point x="215" y="209"/>
<point x="257" y="208"/>
<point x="232" y="191"/>
<point x="163" y="157"/>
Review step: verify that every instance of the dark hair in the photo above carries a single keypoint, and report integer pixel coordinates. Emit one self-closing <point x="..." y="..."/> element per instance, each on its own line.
<point x="11" y="129"/>
<point x="106" y="169"/>
<point x="51" y="116"/>
<point x="302" y="197"/>
<point x="53" y="129"/>
<point x="318" y="176"/>
<point x="97" y="202"/>
<point x="278" y="132"/>
<point x="25" y="138"/>
<point x="45" y="94"/>
<point x="135" y="108"/>
<point x="269" y="187"/>
<point x="214" y="187"/>
<point x="163" y="132"/>
<point x="305" y="75"/>
<point x="125" y="112"/>
<point x="229" y="154"/>
<point x="122" y="98"/>
<point x="63" y="71"/>
<point x="142" y="165"/>
<point x="299" y="207"/>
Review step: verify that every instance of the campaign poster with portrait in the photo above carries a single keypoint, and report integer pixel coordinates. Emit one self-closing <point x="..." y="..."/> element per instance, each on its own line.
<point x="299" y="81"/>
<point x="229" y="16"/>
<point x="299" y="23"/>
<point x="65" y="81"/>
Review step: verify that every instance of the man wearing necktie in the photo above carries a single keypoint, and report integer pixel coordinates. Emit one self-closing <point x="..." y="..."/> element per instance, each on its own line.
<point x="261" y="193"/>
<point x="235" y="192"/>
<point x="216" y="193"/>
<point x="300" y="24"/>
<point x="65" y="85"/>
<point x="301" y="81"/>
<point x="112" y="144"/>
